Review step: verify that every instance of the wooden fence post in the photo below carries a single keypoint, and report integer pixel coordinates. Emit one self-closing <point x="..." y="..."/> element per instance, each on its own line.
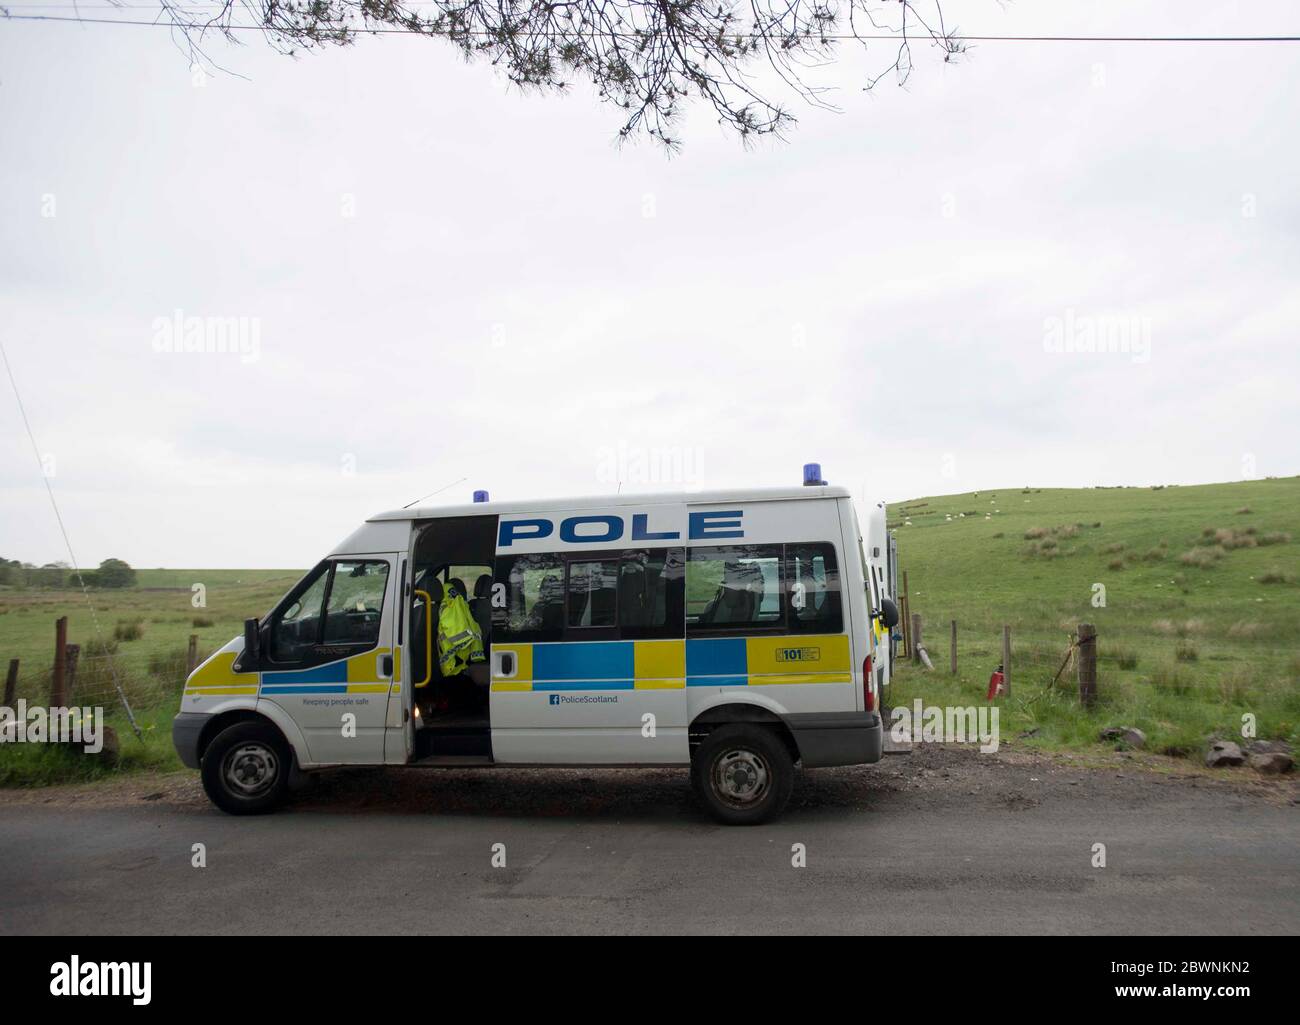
<point x="1087" y="664"/>
<point x="72" y="653"/>
<point x="916" y="637"/>
<point x="1006" y="659"/>
<point x="952" y="649"/>
<point x="58" y="692"/>
<point x="192" y="655"/>
<point x="11" y="683"/>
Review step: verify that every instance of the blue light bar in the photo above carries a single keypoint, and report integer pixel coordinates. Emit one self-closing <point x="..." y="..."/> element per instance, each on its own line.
<point x="812" y="474"/>
<point x="480" y="496"/>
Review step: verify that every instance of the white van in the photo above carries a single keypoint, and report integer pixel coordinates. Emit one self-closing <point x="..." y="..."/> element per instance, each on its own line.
<point x="730" y="631"/>
<point x="881" y="563"/>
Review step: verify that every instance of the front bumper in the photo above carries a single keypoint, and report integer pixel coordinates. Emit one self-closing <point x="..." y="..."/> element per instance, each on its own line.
<point x="186" y="730"/>
<point x="837" y="738"/>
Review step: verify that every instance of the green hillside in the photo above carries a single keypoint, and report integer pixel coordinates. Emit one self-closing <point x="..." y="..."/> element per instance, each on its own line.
<point x="1201" y="622"/>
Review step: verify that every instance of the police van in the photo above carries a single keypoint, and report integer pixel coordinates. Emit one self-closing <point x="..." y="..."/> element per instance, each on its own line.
<point x="882" y="572"/>
<point x="732" y="632"/>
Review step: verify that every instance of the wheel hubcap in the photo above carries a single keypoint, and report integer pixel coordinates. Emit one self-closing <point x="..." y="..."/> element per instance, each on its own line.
<point x="740" y="777"/>
<point x="251" y="769"/>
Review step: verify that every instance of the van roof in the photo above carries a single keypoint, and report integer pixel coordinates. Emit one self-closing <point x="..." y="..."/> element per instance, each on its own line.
<point x="780" y="494"/>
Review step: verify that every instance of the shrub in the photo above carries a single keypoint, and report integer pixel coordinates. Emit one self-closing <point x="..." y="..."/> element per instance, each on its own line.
<point x="170" y="666"/>
<point x="201" y="621"/>
<point x="1118" y="546"/>
<point x="1033" y="533"/>
<point x="1168" y="679"/>
<point x="1244" y="511"/>
<point x="1275" y="537"/>
<point x="1126" y="658"/>
<point x="1186" y="652"/>
<point x="128" y="630"/>
<point x="1154" y="554"/>
<point x="1201" y="558"/>
<point x="1115" y="564"/>
<point x="1228" y="539"/>
<point x="1234" y="686"/>
<point x="1275" y="576"/>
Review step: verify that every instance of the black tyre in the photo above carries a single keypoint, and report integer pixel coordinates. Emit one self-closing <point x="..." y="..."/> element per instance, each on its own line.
<point x="742" y="774"/>
<point x="246" y="768"/>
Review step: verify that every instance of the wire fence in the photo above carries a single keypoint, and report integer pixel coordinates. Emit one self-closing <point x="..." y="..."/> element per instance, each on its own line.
<point x="101" y="674"/>
<point x="1030" y="660"/>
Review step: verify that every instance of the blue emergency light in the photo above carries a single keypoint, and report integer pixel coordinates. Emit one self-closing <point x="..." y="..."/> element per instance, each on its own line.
<point x="812" y="475"/>
<point x="480" y="496"/>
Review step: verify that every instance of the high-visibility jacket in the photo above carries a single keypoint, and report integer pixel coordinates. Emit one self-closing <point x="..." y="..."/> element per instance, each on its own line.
<point x="459" y="640"/>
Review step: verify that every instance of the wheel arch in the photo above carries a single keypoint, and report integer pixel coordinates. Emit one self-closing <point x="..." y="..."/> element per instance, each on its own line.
<point x="730" y="712"/>
<point x="228" y="718"/>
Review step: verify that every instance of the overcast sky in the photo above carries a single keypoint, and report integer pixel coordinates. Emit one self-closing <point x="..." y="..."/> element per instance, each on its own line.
<point x="443" y="279"/>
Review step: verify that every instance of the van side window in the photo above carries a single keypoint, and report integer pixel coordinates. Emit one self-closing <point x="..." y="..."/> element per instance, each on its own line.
<point x="341" y="604"/>
<point x="734" y="589"/>
<point x="650" y="593"/>
<point x="295" y="629"/>
<point x="534" y="590"/>
<point x="356" y="602"/>
<point x="813" y="583"/>
<point x="593" y="593"/>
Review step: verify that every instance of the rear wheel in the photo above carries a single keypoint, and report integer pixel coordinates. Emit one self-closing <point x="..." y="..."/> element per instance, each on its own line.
<point x="742" y="774"/>
<point x="246" y="768"/>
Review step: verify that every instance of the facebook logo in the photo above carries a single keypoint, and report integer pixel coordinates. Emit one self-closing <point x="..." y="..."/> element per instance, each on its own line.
<point x="555" y="699"/>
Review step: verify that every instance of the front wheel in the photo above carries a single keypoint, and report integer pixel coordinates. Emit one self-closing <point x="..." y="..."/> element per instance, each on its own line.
<point x="246" y="768"/>
<point x="742" y="774"/>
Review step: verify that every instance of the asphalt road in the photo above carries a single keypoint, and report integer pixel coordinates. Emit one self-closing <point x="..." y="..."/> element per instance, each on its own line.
<point x="941" y="842"/>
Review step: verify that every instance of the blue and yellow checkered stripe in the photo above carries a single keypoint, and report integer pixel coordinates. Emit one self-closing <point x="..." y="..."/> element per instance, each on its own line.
<point x="355" y="675"/>
<point x="668" y="665"/>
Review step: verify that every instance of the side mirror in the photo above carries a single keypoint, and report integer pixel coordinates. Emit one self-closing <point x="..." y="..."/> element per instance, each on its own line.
<point x="888" y="613"/>
<point x="252" y="644"/>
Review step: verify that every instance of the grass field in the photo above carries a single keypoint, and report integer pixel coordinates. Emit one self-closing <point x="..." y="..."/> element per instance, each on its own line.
<point x="1200" y="626"/>
<point x="146" y="631"/>
<point x="1201" y="622"/>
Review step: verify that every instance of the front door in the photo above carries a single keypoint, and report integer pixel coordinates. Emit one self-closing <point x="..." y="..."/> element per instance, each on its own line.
<point x="328" y="657"/>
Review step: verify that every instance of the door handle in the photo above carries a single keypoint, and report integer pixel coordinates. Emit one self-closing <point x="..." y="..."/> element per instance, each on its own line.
<point x="505" y="663"/>
<point x="386" y="666"/>
<point x="428" y="638"/>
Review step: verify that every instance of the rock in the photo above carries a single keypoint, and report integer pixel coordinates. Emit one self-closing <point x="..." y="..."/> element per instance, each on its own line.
<point x="1130" y="735"/>
<point x="1223" y="752"/>
<point x="112" y="748"/>
<point x="1268" y="747"/>
<point x="1271" y="763"/>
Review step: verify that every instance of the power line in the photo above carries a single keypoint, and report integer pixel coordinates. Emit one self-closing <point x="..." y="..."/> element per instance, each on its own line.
<point x="892" y="37"/>
<point x="85" y="592"/>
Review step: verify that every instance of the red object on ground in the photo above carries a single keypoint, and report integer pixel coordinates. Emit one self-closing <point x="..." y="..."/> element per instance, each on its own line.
<point x="995" y="684"/>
